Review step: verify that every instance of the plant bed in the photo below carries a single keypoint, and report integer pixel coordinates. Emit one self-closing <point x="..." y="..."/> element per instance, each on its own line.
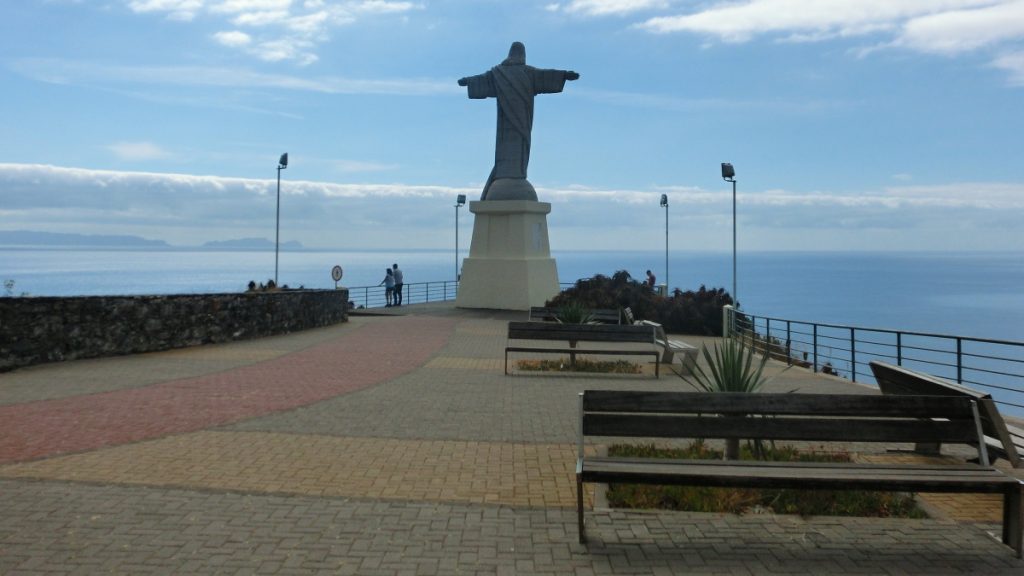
<point x="745" y="500"/>
<point x="581" y="365"/>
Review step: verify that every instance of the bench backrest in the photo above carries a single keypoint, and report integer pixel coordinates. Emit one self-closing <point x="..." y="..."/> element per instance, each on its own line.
<point x="580" y="332"/>
<point x="811" y="417"/>
<point x="603" y="315"/>
<point x="897" y="380"/>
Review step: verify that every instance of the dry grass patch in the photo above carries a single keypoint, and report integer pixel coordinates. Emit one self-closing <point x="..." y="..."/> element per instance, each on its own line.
<point x="581" y="365"/>
<point x="750" y="500"/>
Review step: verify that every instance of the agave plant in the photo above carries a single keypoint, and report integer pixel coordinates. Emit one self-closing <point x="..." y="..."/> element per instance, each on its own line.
<point x="574" y="313"/>
<point x="731" y="368"/>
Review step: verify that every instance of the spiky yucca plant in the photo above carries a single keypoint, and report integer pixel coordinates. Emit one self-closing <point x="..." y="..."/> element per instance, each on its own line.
<point x="730" y="369"/>
<point x="574" y="313"/>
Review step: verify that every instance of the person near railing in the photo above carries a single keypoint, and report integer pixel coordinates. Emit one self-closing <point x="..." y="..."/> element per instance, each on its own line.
<point x="397" y="297"/>
<point x="389" y="286"/>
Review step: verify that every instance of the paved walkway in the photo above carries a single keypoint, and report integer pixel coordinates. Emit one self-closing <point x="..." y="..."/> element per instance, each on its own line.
<point x="387" y="445"/>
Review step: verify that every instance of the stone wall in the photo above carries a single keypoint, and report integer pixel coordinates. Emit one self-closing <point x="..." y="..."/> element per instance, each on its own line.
<point x="50" y="329"/>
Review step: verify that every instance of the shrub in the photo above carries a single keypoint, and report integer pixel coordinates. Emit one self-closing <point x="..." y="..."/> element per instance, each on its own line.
<point x="692" y="312"/>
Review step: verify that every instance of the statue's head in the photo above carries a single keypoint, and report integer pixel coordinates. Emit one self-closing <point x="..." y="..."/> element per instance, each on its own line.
<point x="516" y="54"/>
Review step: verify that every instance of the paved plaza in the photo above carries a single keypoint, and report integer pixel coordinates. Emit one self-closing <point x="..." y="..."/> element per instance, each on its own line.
<point x="391" y="444"/>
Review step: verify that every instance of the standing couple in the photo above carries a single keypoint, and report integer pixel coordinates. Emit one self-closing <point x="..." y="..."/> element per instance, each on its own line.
<point x="392" y="286"/>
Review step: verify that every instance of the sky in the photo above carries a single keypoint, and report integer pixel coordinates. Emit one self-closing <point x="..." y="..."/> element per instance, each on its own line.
<point x="851" y="124"/>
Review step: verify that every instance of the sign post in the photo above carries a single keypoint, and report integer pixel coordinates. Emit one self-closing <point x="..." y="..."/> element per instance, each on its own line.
<point x="336" y="273"/>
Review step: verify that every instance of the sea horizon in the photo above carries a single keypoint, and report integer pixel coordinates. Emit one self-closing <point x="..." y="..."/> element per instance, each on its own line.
<point x="965" y="293"/>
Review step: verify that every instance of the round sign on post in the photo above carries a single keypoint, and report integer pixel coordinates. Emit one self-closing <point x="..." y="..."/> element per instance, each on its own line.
<point x="336" y="273"/>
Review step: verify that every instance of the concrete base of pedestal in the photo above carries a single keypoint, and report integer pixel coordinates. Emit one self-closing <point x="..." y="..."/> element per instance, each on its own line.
<point x="509" y="265"/>
<point x="502" y="284"/>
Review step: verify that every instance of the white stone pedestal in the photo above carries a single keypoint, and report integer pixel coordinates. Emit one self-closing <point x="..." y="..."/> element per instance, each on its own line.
<point x="509" y="265"/>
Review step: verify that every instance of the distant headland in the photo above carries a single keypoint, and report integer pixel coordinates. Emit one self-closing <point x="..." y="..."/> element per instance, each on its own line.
<point x="34" y="239"/>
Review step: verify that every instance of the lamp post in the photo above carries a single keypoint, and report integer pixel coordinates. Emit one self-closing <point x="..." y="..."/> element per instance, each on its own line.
<point x="664" y="204"/>
<point x="460" y="201"/>
<point x="281" y="165"/>
<point x="729" y="175"/>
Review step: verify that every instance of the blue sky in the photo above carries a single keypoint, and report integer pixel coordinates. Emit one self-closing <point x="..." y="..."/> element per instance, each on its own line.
<point x="852" y="124"/>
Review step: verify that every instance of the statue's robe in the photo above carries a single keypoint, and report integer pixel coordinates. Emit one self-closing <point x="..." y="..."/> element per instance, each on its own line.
<point x="514" y="86"/>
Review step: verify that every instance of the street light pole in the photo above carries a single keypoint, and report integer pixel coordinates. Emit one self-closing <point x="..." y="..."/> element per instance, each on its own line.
<point x="664" y="204"/>
<point x="729" y="175"/>
<point x="281" y="165"/>
<point x="460" y="201"/>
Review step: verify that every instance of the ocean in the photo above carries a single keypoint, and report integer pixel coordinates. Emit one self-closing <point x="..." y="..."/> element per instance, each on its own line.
<point x="979" y="295"/>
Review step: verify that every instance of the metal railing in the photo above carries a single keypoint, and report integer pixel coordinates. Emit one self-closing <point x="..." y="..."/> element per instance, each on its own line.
<point x="992" y="366"/>
<point x="413" y="293"/>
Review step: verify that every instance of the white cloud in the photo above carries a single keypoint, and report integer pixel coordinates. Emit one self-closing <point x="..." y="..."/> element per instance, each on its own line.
<point x="136" y="151"/>
<point x="958" y="31"/>
<point x="286" y="49"/>
<point x="608" y="7"/>
<point x="261" y="18"/>
<point x="741" y="21"/>
<point x="236" y="6"/>
<point x="282" y="30"/>
<point x="378" y="7"/>
<point x="182" y="10"/>
<point x="233" y="38"/>
<point x="70" y="72"/>
<point x="947" y="27"/>
<point x="189" y="209"/>
<point x="1013" y="63"/>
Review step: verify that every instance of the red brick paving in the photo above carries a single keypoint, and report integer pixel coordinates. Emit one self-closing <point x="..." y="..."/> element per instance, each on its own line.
<point x="372" y="354"/>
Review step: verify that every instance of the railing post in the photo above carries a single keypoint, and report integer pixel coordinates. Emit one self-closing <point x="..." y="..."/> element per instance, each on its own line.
<point x="789" y="343"/>
<point x="767" y="334"/>
<point x="853" y="355"/>
<point x="959" y="360"/>
<point x="815" y="347"/>
<point x="727" y="321"/>
<point x="899" y="348"/>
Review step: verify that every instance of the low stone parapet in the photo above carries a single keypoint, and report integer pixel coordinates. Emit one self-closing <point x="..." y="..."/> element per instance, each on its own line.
<point x="35" y="330"/>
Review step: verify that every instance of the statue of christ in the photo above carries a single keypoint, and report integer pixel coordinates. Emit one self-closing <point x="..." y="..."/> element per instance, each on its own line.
<point x="514" y="84"/>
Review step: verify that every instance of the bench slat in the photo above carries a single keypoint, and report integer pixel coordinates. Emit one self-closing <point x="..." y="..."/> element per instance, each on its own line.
<point x="951" y="468"/>
<point x="815" y="429"/>
<point x="779" y="404"/>
<point x="795" y="475"/>
<point x="580" y="332"/>
<point x="604" y="315"/>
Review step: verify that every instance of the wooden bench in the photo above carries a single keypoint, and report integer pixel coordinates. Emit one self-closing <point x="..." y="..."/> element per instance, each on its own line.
<point x="791" y="417"/>
<point x="573" y="333"/>
<point x="669" y="347"/>
<point x="1001" y="440"/>
<point x="601" y="315"/>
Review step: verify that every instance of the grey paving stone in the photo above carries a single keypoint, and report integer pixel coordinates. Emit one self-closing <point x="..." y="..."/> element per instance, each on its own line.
<point x="60" y="527"/>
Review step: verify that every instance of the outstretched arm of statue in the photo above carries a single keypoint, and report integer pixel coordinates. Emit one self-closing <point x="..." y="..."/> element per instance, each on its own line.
<point x="480" y="86"/>
<point x="570" y="75"/>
